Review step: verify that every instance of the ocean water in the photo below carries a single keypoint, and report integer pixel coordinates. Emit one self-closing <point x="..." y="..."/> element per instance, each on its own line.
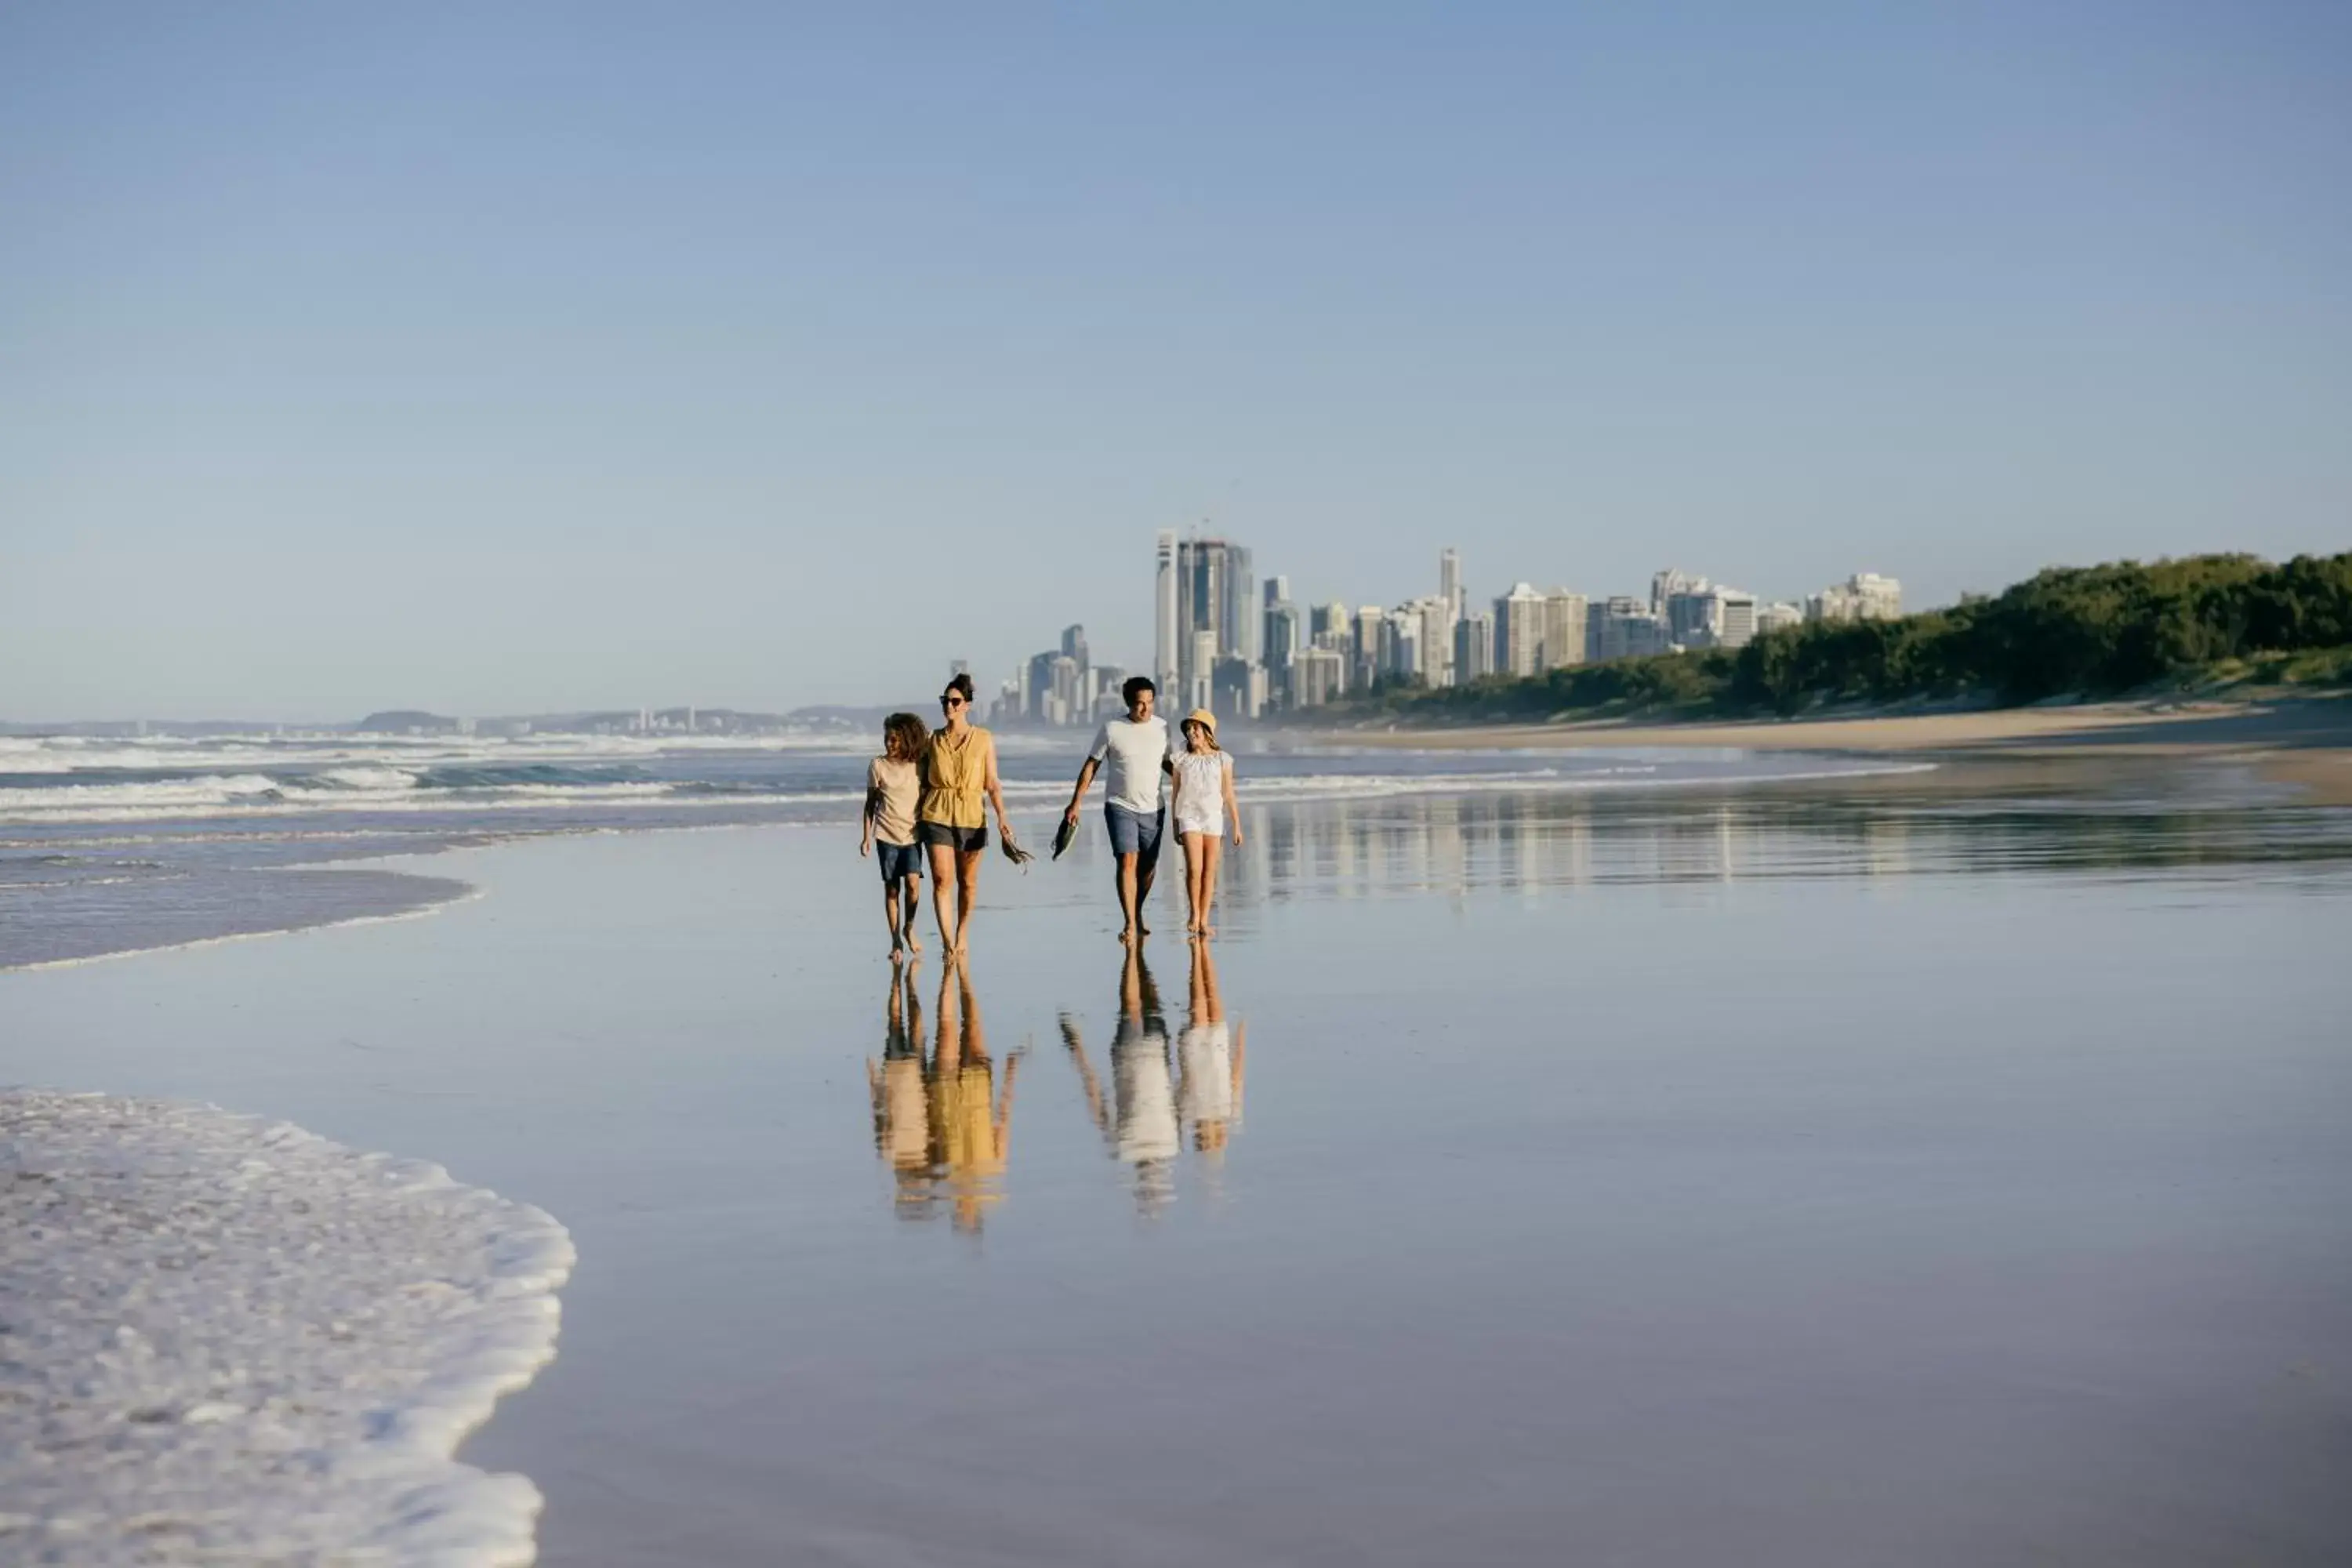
<point x="1865" y="1171"/>
<point x="231" y="1341"/>
<point x="113" y="845"/>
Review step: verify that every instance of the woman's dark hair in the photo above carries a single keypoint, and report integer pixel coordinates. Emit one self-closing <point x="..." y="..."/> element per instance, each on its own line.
<point x="910" y="733"/>
<point x="960" y="681"/>
<point x="1133" y="684"/>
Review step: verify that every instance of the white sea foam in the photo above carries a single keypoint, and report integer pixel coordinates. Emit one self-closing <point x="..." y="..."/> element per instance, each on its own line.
<point x="80" y="753"/>
<point x="229" y="1341"/>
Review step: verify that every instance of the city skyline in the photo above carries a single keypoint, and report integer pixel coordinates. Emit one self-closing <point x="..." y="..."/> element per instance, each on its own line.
<point x="1223" y="642"/>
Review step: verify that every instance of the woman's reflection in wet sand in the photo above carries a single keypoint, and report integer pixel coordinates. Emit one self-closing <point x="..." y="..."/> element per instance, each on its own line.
<point x="1141" y="1118"/>
<point x="940" y="1120"/>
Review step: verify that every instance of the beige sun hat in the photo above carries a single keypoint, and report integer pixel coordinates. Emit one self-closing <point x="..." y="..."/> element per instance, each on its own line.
<point x="1203" y="718"/>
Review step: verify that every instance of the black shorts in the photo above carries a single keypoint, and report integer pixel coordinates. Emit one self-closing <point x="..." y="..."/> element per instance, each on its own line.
<point x="898" y="860"/>
<point x="963" y="839"/>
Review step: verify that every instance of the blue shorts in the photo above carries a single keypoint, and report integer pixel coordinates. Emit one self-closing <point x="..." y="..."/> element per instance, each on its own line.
<point x="898" y="860"/>
<point x="1133" y="833"/>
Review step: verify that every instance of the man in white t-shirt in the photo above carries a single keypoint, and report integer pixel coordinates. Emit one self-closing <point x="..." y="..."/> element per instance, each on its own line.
<point x="1140" y="753"/>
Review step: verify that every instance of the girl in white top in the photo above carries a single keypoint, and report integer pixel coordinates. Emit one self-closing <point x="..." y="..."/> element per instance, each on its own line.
<point x="1205" y="811"/>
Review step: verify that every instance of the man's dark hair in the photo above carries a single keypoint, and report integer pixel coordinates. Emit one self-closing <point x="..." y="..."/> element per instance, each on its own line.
<point x="1134" y="684"/>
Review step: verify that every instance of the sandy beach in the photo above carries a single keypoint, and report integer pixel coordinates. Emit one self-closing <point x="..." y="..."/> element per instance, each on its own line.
<point x="2306" y="742"/>
<point x="1790" y="1174"/>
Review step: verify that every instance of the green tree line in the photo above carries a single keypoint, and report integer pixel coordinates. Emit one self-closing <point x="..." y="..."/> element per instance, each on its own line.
<point x="2093" y="631"/>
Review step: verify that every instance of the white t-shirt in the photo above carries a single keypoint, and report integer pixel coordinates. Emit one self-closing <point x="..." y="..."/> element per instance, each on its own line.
<point x="1135" y="751"/>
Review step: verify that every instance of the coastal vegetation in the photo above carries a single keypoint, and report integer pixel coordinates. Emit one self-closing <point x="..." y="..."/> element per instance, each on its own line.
<point x="2088" y="631"/>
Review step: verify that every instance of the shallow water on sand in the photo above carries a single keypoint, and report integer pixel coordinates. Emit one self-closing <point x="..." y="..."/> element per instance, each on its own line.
<point x="1763" y="1178"/>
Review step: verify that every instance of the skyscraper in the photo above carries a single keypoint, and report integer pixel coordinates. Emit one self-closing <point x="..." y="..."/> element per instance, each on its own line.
<point x="1674" y="580"/>
<point x="1519" y="631"/>
<point x="1212" y="600"/>
<point x="1165" y="651"/>
<point x="1563" y="629"/>
<point x="1449" y="581"/>
<point x="1367" y="651"/>
<point x="1474" y="647"/>
<point x="1864" y="596"/>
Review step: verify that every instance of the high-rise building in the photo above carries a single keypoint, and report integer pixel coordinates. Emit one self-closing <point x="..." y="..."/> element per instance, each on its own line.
<point x="1563" y="630"/>
<point x="1864" y="596"/>
<point x="1474" y="647"/>
<point x="1735" y="617"/>
<point x="1367" y="651"/>
<point x="1165" y="673"/>
<point x="1199" y="685"/>
<point x="1214" y="597"/>
<point x="1435" y="633"/>
<point x="1282" y="647"/>
<point x="1449" y="581"/>
<point x="1687" y="608"/>
<point x="1625" y="629"/>
<point x="1709" y="615"/>
<point x="1074" y="643"/>
<point x="1400" y="647"/>
<point x="1774" y="617"/>
<point x="1519" y="631"/>
<point x="1665" y="584"/>
<point x="1319" y="675"/>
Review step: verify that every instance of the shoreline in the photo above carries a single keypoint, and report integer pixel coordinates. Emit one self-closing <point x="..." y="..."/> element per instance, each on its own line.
<point x="2305" y="744"/>
<point x="200" y="1292"/>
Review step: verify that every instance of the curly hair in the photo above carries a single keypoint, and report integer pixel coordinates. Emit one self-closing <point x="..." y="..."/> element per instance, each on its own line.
<point x="904" y="736"/>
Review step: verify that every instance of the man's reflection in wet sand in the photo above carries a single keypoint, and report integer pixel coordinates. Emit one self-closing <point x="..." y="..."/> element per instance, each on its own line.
<point x="939" y="1121"/>
<point x="1141" y="1120"/>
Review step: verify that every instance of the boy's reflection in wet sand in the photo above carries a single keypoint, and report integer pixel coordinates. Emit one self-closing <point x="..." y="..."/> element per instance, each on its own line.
<point x="939" y="1121"/>
<point x="1140" y="1120"/>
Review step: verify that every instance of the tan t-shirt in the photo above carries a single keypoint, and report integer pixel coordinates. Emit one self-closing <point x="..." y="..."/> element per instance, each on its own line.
<point x="893" y="786"/>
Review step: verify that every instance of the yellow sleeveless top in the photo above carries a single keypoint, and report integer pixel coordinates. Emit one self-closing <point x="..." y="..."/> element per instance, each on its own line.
<point x="952" y="775"/>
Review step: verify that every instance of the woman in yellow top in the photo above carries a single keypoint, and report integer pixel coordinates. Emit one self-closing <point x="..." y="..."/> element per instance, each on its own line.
<point x="958" y="769"/>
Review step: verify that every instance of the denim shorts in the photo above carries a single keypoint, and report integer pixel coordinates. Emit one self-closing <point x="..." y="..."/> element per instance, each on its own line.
<point x="1133" y="833"/>
<point x="898" y="860"/>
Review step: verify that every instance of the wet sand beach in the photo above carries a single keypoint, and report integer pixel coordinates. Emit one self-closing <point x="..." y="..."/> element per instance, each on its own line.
<point x="1807" y="1175"/>
<point x="2306" y="743"/>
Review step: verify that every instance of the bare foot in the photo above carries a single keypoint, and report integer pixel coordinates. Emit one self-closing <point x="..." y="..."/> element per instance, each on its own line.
<point x="1143" y="929"/>
<point x="1126" y="936"/>
<point x="914" y="943"/>
<point x="1208" y="930"/>
<point x="898" y="953"/>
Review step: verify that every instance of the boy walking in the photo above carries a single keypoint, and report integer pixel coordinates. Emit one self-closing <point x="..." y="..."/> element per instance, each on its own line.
<point x="887" y="824"/>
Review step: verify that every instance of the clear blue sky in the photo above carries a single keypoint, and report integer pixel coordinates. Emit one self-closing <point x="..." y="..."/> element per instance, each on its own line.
<point x="509" y="358"/>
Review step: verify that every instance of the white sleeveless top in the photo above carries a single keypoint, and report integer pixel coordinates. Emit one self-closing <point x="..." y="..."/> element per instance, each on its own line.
<point x="1200" y="791"/>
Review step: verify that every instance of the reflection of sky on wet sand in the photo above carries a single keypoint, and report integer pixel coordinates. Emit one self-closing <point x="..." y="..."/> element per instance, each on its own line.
<point x="1920" y="1177"/>
<point x="1453" y="845"/>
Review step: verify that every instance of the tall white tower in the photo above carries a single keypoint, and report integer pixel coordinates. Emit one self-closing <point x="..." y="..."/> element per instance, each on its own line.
<point x="1164" y="647"/>
<point x="1449" y="581"/>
